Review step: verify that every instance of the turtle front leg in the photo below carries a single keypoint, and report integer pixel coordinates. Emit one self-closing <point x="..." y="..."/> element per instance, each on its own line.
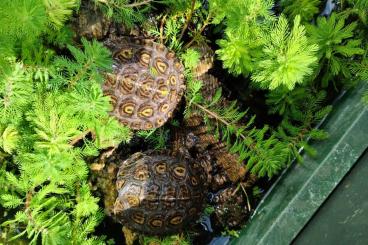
<point x="129" y="235"/>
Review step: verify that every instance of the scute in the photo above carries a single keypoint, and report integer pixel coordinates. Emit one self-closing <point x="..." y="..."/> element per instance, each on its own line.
<point x="163" y="202"/>
<point x="144" y="72"/>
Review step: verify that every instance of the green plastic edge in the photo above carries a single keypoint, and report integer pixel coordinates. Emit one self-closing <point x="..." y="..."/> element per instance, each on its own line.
<point x="302" y="188"/>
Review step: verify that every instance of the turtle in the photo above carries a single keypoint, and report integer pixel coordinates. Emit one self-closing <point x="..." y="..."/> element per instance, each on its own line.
<point x="230" y="207"/>
<point x="159" y="194"/>
<point x="146" y="84"/>
<point x="147" y="80"/>
<point x="90" y="22"/>
<point x="229" y="168"/>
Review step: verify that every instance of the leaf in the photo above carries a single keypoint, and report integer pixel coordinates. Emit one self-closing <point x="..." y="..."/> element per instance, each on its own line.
<point x="10" y="138"/>
<point x="10" y="201"/>
<point x="190" y="58"/>
<point x="288" y="57"/>
<point x="58" y="11"/>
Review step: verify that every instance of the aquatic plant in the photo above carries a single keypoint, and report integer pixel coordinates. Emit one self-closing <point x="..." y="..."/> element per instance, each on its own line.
<point x="54" y="116"/>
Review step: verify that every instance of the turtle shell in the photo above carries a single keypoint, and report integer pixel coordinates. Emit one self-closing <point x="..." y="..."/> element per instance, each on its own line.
<point x="208" y="144"/>
<point x="158" y="194"/>
<point x="146" y="84"/>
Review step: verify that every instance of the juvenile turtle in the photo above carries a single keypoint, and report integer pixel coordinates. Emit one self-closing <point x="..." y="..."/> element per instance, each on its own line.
<point x="146" y="84"/>
<point x="159" y="194"/>
<point x="228" y="167"/>
<point x="90" y="22"/>
<point x="147" y="80"/>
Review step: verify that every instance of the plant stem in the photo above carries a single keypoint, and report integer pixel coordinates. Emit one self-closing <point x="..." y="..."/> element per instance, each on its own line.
<point x="80" y="74"/>
<point x="246" y="195"/>
<point x="189" y="17"/>
<point x="205" y="24"/>
<point x="216" y="117"/>
<point x="212" y="114"/>
<point x="162" y="29"/>
<point x="137" y="4"/>
<point x="80" y="137"/>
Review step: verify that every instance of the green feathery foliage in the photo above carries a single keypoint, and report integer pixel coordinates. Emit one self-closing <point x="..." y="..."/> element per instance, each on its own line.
<point x="245" y="21"/>
<point x="307" y="9"/>
<point x="239" y="52"/>
<point x="54" y="115"/>
<point x="302" y="109"/>
<point x="123" y="11"/>
<point x="337" y="46"/>
<point x="169" y="32"/>
<point x="86" y="69"/>
<point x="169" y="240"/>
<point x="263" y="152"/>
<point x="361" y="69"/>
<point x="26" y="23"/>
<point x="41" y="120"/>
<point x="255" y="43"/>
<point x="177" y="6"/>
<point x="243" y="15"/>
<point x="174" y="23"/>
<point x="359" y="8"/>
<point x="191" y="58"/>
<point x="287" y="56"/>
<point x="156" y="138"/>
<point x="58" y="11"/>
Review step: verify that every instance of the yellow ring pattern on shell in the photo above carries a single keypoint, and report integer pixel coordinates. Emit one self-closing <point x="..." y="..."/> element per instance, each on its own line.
<point x="145" y="58"/>
<point x="156" y="223"/>
<point x="145" y="74"/>
<point x="146" y="112"/>
<point x="173" y="80"/>
<point x="132" y="200"/>
<point x="176" y="220"/>
<point x="161" y="168"/>
<point x="138" y="218"/>
<point x="164" y="108"/>
<point x="179" y="171"/>
<point x="161" y="66"/>
<point x="125" y="54"/>
<point x="159" y="122"/>
<point x="128" y="108"/>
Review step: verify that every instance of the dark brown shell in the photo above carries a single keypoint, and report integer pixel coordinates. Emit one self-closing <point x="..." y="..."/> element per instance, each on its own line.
<point x="146" y="84"/>
<point x="208" y="144"/>
<point x="206" y="59"/>
<point x="158" y="194"/>
<point x="90" y="22"/>
<point x="231" y="207"/>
